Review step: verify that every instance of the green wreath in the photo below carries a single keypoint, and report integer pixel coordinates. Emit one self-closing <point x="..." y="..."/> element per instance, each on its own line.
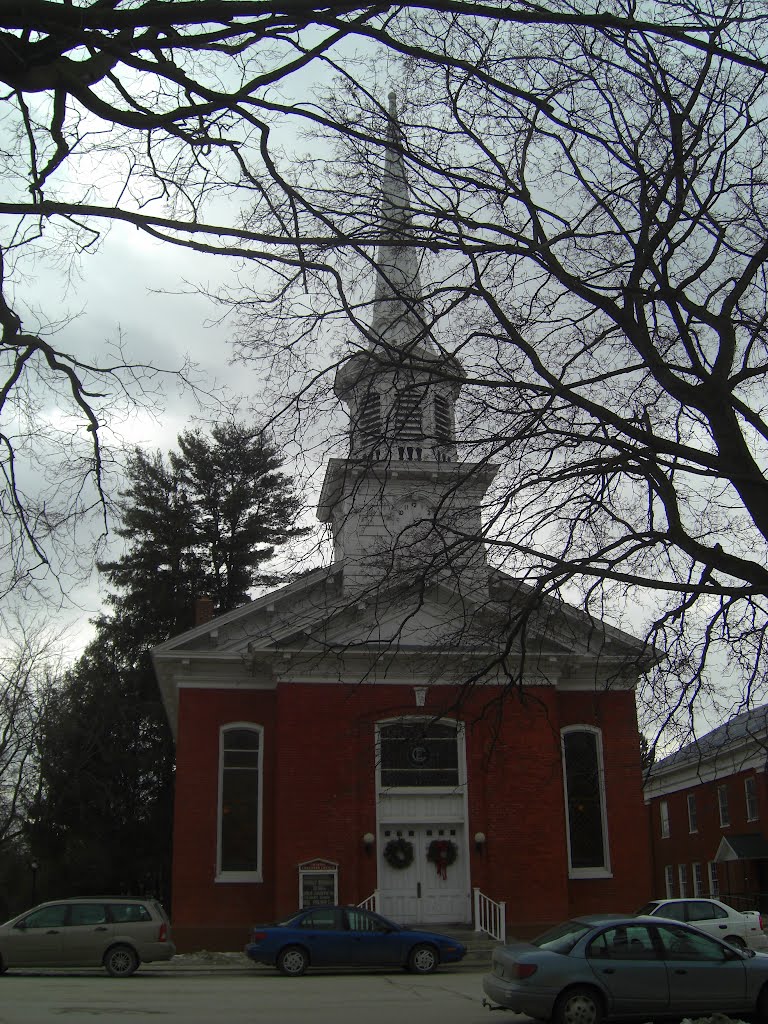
<point x="398" y="853"/>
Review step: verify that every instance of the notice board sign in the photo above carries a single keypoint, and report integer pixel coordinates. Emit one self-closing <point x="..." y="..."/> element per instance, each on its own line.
<point x="318" y="883"/>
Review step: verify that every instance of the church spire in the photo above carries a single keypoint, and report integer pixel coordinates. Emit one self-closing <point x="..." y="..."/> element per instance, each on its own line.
<point x="400" y="389"/>
<point x="397" y="306"/>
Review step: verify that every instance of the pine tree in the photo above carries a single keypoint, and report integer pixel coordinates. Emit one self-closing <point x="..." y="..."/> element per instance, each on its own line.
<point x="202" y="521"/>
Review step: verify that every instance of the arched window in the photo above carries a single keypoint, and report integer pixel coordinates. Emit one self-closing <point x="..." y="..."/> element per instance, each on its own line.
<point x="585" y="802"/>
<point x="240" y="808"/>
<point x="419" y="753"/>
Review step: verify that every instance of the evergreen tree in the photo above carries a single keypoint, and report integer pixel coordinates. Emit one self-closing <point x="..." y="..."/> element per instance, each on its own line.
<point x="201" y="522"/>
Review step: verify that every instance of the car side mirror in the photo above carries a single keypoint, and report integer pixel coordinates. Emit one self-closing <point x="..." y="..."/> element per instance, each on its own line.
<point x="22" y="926"/>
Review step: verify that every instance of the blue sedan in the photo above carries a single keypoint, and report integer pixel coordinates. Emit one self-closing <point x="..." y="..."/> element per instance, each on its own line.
<point x="349" y="937"/>
<point x="599" y="968"/>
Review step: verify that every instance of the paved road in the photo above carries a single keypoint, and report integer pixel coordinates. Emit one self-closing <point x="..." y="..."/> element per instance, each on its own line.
<point x="260" y="997"/>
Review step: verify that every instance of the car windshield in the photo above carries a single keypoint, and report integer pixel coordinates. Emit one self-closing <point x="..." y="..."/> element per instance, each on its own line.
<point x="563" y="938"/>
<point x="647" y="909"/>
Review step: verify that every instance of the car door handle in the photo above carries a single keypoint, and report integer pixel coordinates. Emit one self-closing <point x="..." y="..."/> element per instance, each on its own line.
<point x="101" y="928"/>
<point x="609" y="970"/>
<point x="722" y="927"/>
<point x="680" y="970"/>
<point x="52" y="931"/>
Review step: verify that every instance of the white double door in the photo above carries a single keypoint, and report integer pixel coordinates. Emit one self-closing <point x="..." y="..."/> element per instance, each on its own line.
<point x="422" y="892"/>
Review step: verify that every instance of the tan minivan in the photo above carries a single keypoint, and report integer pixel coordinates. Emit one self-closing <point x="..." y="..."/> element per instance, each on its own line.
<point x="117" y="933"/>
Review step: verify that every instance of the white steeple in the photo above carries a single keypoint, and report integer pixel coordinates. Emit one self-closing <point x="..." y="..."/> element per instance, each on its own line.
<point x="401" y="492"/>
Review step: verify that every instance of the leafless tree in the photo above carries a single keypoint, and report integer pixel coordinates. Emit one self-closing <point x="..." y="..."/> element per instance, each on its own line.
<point x="158" y="115"/>
<point x="30" y="667"/>
<point x="590" y="208"/>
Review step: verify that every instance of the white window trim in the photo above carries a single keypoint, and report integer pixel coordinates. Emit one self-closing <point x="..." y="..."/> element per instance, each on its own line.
<point x="682" y="880"/>
<point x="693" y="825"/>
<point x="239" y="876"/>
<point x="461" y="757"/>
<point x="714" y="889"/>
<point x="664" y="819"/>
<point x="669" y="881"/>
<point x="725" y="820"/>
<point x="698" y="879"/>
<point x="756" y="816"/>
<point x="605" y="870"/>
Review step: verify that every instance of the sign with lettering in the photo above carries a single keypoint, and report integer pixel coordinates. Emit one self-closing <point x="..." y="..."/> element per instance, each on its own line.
<point x="318" y="883"/>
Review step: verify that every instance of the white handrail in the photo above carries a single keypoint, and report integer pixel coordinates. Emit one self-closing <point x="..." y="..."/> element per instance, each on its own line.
<point x="490" y="917"/>
<point x="370" y="903"/>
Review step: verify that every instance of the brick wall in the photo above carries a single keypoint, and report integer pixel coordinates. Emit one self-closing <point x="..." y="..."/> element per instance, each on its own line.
<point x="319" y="801"/>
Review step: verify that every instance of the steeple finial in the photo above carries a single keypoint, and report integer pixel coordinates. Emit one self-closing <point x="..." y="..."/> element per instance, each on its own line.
<point x="397" y="301"/>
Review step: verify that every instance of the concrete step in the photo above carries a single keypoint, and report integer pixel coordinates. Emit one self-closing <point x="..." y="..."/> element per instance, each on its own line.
<point x="480" y="946"/>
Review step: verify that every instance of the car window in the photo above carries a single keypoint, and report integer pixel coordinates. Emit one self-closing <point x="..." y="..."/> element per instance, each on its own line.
<point x="362" y="921"/>
<point x="683" y="944"/>
<point x="325" y="919"/>
<point x="648" y="909"/>
<point x="674" y="910"/>
<point x="563" y="938"/>
<point x="624" y="942"/>
<point x="129" y="913"/>
<point x="87" y="913"/>
<point x="47" y="917"/>
<point x="700" y="910"/>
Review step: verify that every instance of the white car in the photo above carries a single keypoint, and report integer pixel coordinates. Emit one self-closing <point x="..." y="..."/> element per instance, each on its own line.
<point x="714" y="918"/>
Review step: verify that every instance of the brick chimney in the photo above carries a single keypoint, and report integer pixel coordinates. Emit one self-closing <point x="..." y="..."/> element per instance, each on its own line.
<point x="203" y="610"/>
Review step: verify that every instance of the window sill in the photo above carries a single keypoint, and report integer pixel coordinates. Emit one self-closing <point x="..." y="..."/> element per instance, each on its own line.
<point x="590" y="873"/>
<point x="238" y="876"/>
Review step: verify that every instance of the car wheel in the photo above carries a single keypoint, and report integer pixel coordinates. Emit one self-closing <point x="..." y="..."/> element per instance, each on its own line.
<point x="3" y="966"/>
<point x="121" y="961"/>
<point x="293" y="960"/>
<point x="736" y="941"/>
<point x="423" y="959"/>
<point x="579" y="1005"/>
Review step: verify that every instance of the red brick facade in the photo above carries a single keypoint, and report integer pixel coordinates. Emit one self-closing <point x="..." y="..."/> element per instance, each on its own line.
<point x="742" y="883"/>
<point x="319" y="800"/>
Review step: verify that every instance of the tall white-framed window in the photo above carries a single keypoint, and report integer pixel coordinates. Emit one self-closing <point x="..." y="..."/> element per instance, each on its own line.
<point x="692" y="822"/>
<point x="714" y="880"/>
<point x="698" y="880"/>
<point x="241" y="757"/>
<point x="669" y="881"/>
<point x="722" y="803"/>
<point x="750" y="797"/>
<point x="586" y="821"/>
<point x="682" y="879"/>
<point x="664" y="819"/>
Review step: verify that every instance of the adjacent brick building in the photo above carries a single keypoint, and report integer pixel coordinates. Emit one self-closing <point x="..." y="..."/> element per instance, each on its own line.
<point x="708" y="809"/>
<point x="406" y="725"/>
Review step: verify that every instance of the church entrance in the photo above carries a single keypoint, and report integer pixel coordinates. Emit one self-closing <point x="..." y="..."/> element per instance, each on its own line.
<point x="423" y="874"/>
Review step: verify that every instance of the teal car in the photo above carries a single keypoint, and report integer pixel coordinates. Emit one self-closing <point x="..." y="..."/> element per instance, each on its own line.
<point x="592" y="969"/>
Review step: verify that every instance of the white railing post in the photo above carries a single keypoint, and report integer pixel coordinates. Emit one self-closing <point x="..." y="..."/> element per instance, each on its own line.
<point x="370" y="902"/>
<point x="490" y="917"/>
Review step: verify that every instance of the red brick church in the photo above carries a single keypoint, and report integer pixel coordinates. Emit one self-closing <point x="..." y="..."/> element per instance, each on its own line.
<point x="379" y="730"/>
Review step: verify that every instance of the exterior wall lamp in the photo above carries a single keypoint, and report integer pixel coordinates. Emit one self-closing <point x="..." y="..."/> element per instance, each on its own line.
<point x="368" y="841"/>
<point x="479" y="841"/>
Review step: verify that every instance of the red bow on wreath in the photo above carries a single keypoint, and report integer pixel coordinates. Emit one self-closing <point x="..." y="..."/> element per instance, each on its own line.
<point x="442" y="852"/>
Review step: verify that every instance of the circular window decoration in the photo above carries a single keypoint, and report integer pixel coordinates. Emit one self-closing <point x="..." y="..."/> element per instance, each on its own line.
<point x="418" y="754"/>
<point x="398" y="853"/>
<point x="442" y="853"/>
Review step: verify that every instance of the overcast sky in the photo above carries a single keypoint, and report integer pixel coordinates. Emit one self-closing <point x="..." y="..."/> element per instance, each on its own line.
<point x="130" y="288"/>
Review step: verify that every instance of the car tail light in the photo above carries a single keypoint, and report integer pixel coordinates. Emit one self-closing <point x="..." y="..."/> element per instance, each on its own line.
<point x="524" y="970"/>
<point x="162" y="935"/>
<point x="760" y="921"/>
<point x="258" y="936"/>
